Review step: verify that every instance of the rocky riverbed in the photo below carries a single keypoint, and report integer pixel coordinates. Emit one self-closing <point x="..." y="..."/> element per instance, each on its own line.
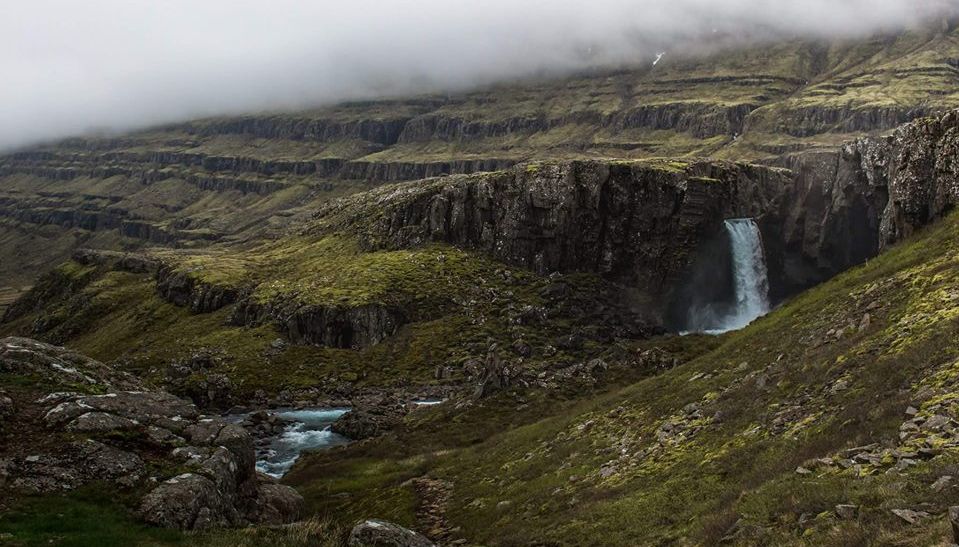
<point x="283" y="434"/>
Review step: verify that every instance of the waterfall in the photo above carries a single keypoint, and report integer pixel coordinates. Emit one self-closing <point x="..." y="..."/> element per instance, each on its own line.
<point x="750" y="283"/>
<point x="749" y="273"/>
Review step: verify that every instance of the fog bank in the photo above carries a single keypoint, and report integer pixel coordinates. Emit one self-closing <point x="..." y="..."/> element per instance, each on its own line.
<point x="72" y="67"/>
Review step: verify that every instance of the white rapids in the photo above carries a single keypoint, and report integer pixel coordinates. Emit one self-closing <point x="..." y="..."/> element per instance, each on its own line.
<point x="308" y="430"/>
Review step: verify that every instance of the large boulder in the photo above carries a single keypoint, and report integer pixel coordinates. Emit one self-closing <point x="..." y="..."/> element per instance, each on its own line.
<point x="374" y="418"/>
<point x="188" y="502"/>
<point x="379" y="533"/>
<point x="222" y="486"/>
<point x="277" y="503"/>
<point x="73" y="465"/>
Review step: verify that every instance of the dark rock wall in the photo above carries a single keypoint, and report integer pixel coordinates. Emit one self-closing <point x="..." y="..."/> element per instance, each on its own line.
<point x="846" y="206"/>
<point x="336" y="327"/>
<point x="636" y="223"/>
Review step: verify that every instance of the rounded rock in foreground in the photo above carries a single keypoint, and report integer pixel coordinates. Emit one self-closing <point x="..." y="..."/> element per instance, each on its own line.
<point x="379" y="533"/>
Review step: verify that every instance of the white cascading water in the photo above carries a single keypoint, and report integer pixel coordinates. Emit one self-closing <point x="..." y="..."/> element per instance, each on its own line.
<point x="749" y="275"/>
<point x="750" y="283"/>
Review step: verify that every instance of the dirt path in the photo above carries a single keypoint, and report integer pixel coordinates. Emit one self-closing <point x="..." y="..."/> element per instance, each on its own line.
<point x="434" y="496"/>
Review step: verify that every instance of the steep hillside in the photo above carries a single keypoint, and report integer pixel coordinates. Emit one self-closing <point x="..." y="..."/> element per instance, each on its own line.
<point x="401" y="285"/>
<point x="229" y="180"/>
<point x="815" y="425"/>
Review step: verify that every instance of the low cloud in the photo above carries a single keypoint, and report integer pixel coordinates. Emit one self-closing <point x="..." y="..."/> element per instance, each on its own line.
<point x="73" y="67"/>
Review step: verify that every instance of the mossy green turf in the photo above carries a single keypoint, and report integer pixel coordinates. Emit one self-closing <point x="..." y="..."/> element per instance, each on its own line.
<point x="94" y="517"/>
<point x="84" y="518"/>
<point x="740" y="469"/>
<point x="457" y="303"/>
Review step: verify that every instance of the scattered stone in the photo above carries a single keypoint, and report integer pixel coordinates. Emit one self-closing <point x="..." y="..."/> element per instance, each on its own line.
<point x="865" y="322"/>
<point x="7" y="407"/>
<point x="910" y="516"/>
<point x="597" y="366"/>
<point x="840" y="385"/>
<point x="847" y="511"/>
<point x="935" y="422"/>
<point x="379" y="533"/>
<point x="761" y="381"/>
<point x="861" y="449"/>
<point x="941" y="483"/>
<point x="954" y="521"/>
<point x="522" y="349"/>
<point x="803" y="471"/>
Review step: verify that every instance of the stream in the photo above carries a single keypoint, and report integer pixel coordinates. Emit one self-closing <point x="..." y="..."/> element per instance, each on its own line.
<point x="308" y="429"/>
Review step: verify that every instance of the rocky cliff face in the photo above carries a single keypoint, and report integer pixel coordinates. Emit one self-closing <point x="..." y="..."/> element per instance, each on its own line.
<point x="335" y="327"/>
<point x="637" y="223"/>
<point x="848" y="205"/>
<point x="182" y="289"/>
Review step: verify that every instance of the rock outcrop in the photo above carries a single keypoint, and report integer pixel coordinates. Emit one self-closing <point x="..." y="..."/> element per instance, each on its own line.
<point x="337" y="327"/>
<point x="121" y="426"/>
<point x="637" y="223"/>
<point x="182" y="289"/>
<point x="847" y="205"/>
<point x="124" y="262"/>
<point x="373" y="418"/>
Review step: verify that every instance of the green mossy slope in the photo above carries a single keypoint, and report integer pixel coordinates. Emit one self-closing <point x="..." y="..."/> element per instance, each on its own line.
<point x="456" y="303"/>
